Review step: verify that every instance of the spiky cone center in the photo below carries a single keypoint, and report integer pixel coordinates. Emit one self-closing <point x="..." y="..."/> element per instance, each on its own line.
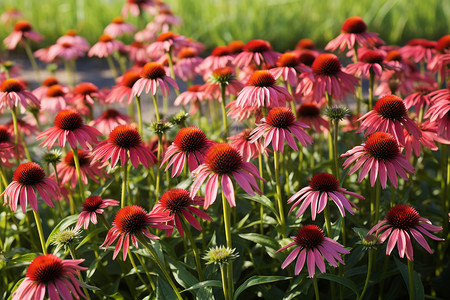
<point x="310" y="110"/>
<point x="125" y="136"/>
<point x="423" y="43"/>
<point x="29" y="173"/>
<point x="195" y="88"/>
<point x="187" y="52"/>
<point x="45" y="268"/>
<point x="261" y="78"/>
<point x="83" y="158"/>
<point x="236" y="47"/>
<point x="131" y="219"/>
<point x="309" y="237"/>
<point x="105" y="38"/>
<point x="222" y="75"/>
<point x="307" y="58"/>
<point x="166" y="36"/>
<point x="85" y="88"/>
<point x="382" y="146"/>
<point x="190" y="139"/>
<point x="393" y="55"/>
<point x="222" y="158"/>
<point x="280" y="117"/>
<point x="66" y="45"/>
<point x="55" y="91"/>
<point x="305" y="44"/>
<point x="372" y="57"/>
<point x="49" y="81"/>
<point x="257" y="46"/>
<point x="118" y="20"/>
<point x="390" y="107"/>
<point x="23" y="26"/>
<point x="129" y="79"/>
<point x="4" y="134"/>
<point x="287" y="60"/>
<point x="68" y="120"/>
<point x="64" y="237"/>
<point x="220" y="51"/>
<point x="153" y="70"/>
<point x="403" y="216"/>
<point x="175" y="200"/>
<point x="71" y="32"/>
<point x="443" y="43"/>
<point x="354" y="25"/>
<point x="12" y="85"/>
<point x="324" y="182"/>
<point x="110" y="114"/>
<point x="326" y="64"/>
<point x="91" y="204"/>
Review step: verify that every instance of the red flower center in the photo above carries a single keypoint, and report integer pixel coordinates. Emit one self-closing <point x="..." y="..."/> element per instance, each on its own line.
<point x="257" y="46"/>
<point x="287" y="60"/>
<point x="236" y="47"/>
<point x="4" y="134"/>
<point x="118" y="20"/>
<point x="125" y="136"/>
<point x="129" y="79"/>
<point x="166" y="36"/>
<point x="190" y="139"/>
<point x="175" y="200"/>
<point x="354" y="25"/>
<point x="68" y="120"/>
<point x="310" y="110"/>
<point x="23" y="26"/>
<point x="85" y="88"/>
<point x="55" y="91"/>
<point x="131" y="219"/>
<point x="372" y="57"/>
<point x="309" y="237"/>
<point x="220" y="51"/>
<point x="280" y="117"/>
<point x="105" y="38"/>
<point x="222" y="158"/>
<point x="443" y="43"/>
<point x="12" y="85"/>
<point x="403" y="216"/>
<point x="91" y="204"/>
<point x="187" y="52"/>
<point x="324" y="182"/>
<point x="305" y="44"/>
<point x="71" y="32"/>
<point x="306" y="57"/>
<point x="195" y="88"/>
<point x="137" y="45"/>
<point x="50" y="81"/>
<point x="261" y="78"/>
<point x="66" y="45"/>
<point x="29" y="173"/>
<point x="83" y="157"/>
<point x="165" y="11"/>
<point x="153" y="70"/>
<point x="393" y="55"/>
<point x="326" y="64"/>
<point x="110" y="114"/>
<point x="382" y="146"/>
<point x="45" y="268"/>
<point x="390" y="107"/>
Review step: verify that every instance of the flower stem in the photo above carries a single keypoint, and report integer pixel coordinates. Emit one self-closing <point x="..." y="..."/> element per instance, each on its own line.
<point x="371" y="85"/>
<point x="411" y="279"/>
<point x="130" y="255"/>
<point x="279" y="197"/>
<point x="335" y="154"/>
<point x="172" y="73"/>
<point x="138" y="105"/>
<point x="316" y="287"/>
<point x="224" y="114"/>
<point x="124" y="185"/>
<point x="227" y="224"/>
<point x="194" y="247"/>
<point x="112" y="66"/>
<point x="155" y="105"/>
<point x="78" y="169"/>
<point x="146" y="272"/>
<point x="16" y="132"/>
<point x="369" y="270"/>
<point x="70" y="78"/>
<point x="27" y="48"/>
<point x="40" y="231"/>
<point x="223" y="272"/>
<point x="330" y="122"/>
<point x="158" y="161"/>
<point x="377" y="201"/>
<point x="57" y="183"/>
<point x="86" y="292"/>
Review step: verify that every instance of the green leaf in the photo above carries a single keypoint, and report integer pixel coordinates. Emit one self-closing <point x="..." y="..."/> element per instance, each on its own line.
<point x="91" y="287"/>
<point x="181" y="275"/>
<point x="418" y="286"/>
<point x="362" y="232"/>
<point x="255" y="280"/>
<point x="262" y="200"/>
<point x="66" y="222"/>
<point x="203" y="284"/>
<point x="341" y="280"/>
<point x="261" y="239"/>
<point x="102" y="188"/>
<point x="90" y="235"/>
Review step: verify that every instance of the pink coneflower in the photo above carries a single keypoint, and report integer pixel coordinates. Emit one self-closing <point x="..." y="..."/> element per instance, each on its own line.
<point x="353" y="31"/>
<point x="135" y="7"/>
<point x="224" y="76"/>
<point x="74" y="39"/>
<point x="278" y="126"/>
<point x="327" y="77"/>
<point x="321" y="187"/>
<point x="88" y="168"/>
<point x="48" y="274"/>
<point x="22" y="32"/>
<point x="439" y="112"/>
<point x="165" y="43"/>
<point x="421" y="97"/>
<point x="194" y="95"/>
<point x="427" y="137"/>
<point x="248" y="149"/>
<point x="306" y="57"/>
<point x="124" y="142"/>
<point x="389" y="114"/>
<point x="7" y="146"/>
<point x="91" y="207"/>
<point x="222" y="160"/>
<point x="166" y="19"/>
<point x="401" y="222"/>
<point x="309" y="114"/>
<point x="152" y="76"/>
<point x="26" y="178"/>
<point x="220" y="58"/>
<point x="69" y="127"/>
<point x="25" y="128"/>
<point x="371" y="62"/>
<point x="187" y="61"/>
<point x="287" y="68"/>
<point x="419" y="50"/>
<point x="11" y="15"/>
<point x="442" y="57"/>
<point x="179" y="203"/>
<point x="190" y="145"/>
<point x="380" y="155"/>
<point x="46" y="84"/>
<point x="109" y="120"/>
<point x="137" y="52"/>
<point x="148" y="34"/>
<point x="122" y="91"/>
<point x="258" y="52"/>
<point x="54" y="100"/>
<point x="85" y="93"/>
<point x="132" y="222"/>
<point x="105" y="46"/>
<point x="13" y="93"/>
<point x="312" y="247"/>
<point x="261" y="91"/>
<point x="236" y="47"/>
<point x="119" y="27"/>
<point x="66" y="50"/>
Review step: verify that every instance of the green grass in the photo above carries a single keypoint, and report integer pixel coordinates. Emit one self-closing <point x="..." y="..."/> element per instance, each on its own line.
<point x="282" y="22"/>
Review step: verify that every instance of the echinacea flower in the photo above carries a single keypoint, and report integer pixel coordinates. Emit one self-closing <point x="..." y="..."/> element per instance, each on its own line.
<point x="442" y="57"/>
<point x="380" y="155"/>
<point x="22" y="31"/>
<point x="312" y="247"/>
<point x="10" y="15"/>
<point x="179" y="204"/>
<point x="388" y="115"/>
<point x="165" y="19"/>
<point x="165" y="43"/>
<point x="49" y="275"/>
<point x="220" y="57"/>
<point x="119" y="27"/>
<point x="419" y="50"/>
<point x="187" y="61"/>
<point x="67" y="51"/>
<point x="354" y="31"/>
<point x="136" y="7"/>
<point x="248" y="149"/>
<point x="105" y="46"/>
<point x="54" y="100"/>
<point x="258" y="52"/>
<point x="194" y="95"/>
<point x="278" y="126"/>
<point x="46" y="84"/>
<point x="287" y="68"/>
<point x="71" y="36"/>
<point x="69" y="127"/>
<point x="92" y="207"/>
<point x="124" y="142"/>
<point x="401" y="222"/>
<point x="371" y="62"/>
<point x="27" y="178"/>
<point x="131" y="222"/>
<point x="439" y="111"/>
<point x="152" y="76"/>
<point x="223" y="161"/>
<point x="109" y="120"/>
<point x="427" y="137"/>
<point x="221" y="77"/>
<point x="220" y="255"/>
<point x="122" y="90"/>
<point x="420" y="98"/>
<point x="321" y="187"/>
<point x="309" y="114"/>
<point x="190" y="145"/>
<point x="13" y="93"/>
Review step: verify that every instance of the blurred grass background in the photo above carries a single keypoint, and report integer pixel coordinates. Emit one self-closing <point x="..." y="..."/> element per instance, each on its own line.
<point x="216" y="22"/>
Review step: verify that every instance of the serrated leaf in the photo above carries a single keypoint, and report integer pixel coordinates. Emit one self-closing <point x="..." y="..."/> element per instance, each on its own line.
<point x="255" y="280"/>
<point x="261" y="239"/>
<point x="341" y="280"/>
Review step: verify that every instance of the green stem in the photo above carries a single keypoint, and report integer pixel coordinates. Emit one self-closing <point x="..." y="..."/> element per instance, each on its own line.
<point x="261" y="207"/>
<point x="130" y="255"/>
<point x="78" y="169"/>
<point x="86" y="292"/>
<point x="158" y="173"/>
<point x="16" y="132"/>
<point x="371" y="85"/>
<point x="326" y="214"/>
<point x="369" y="270"/>
<point x="124" y="185"/>
<point x="155" y="105"/>
<point x="411" y="279"/>
<point x="70" y="79"/>
<point x="330" y="123"/>
<point x="112" y="66"/>
<point x="223" y="272"/>
<point x="316" y="287"/>
<point x="227" y="225"/>
<point x="138" y="106"/>
<point x="279" y="197"/>
<point x="377" y="201"/>
<point x="335" y="153"/>
<point x="194" y="247"/>
<point x="146" y="272"/>
<point x="40" y="231"/>
<point x="25" y="147"/>
<point x="102" y="218"/>
<point x="172" y="73"/>
<point x="27" y="48"/>
<point x="224" y="114"/>
<point x="57" y="183"/>
<point x="358" y="92"/>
